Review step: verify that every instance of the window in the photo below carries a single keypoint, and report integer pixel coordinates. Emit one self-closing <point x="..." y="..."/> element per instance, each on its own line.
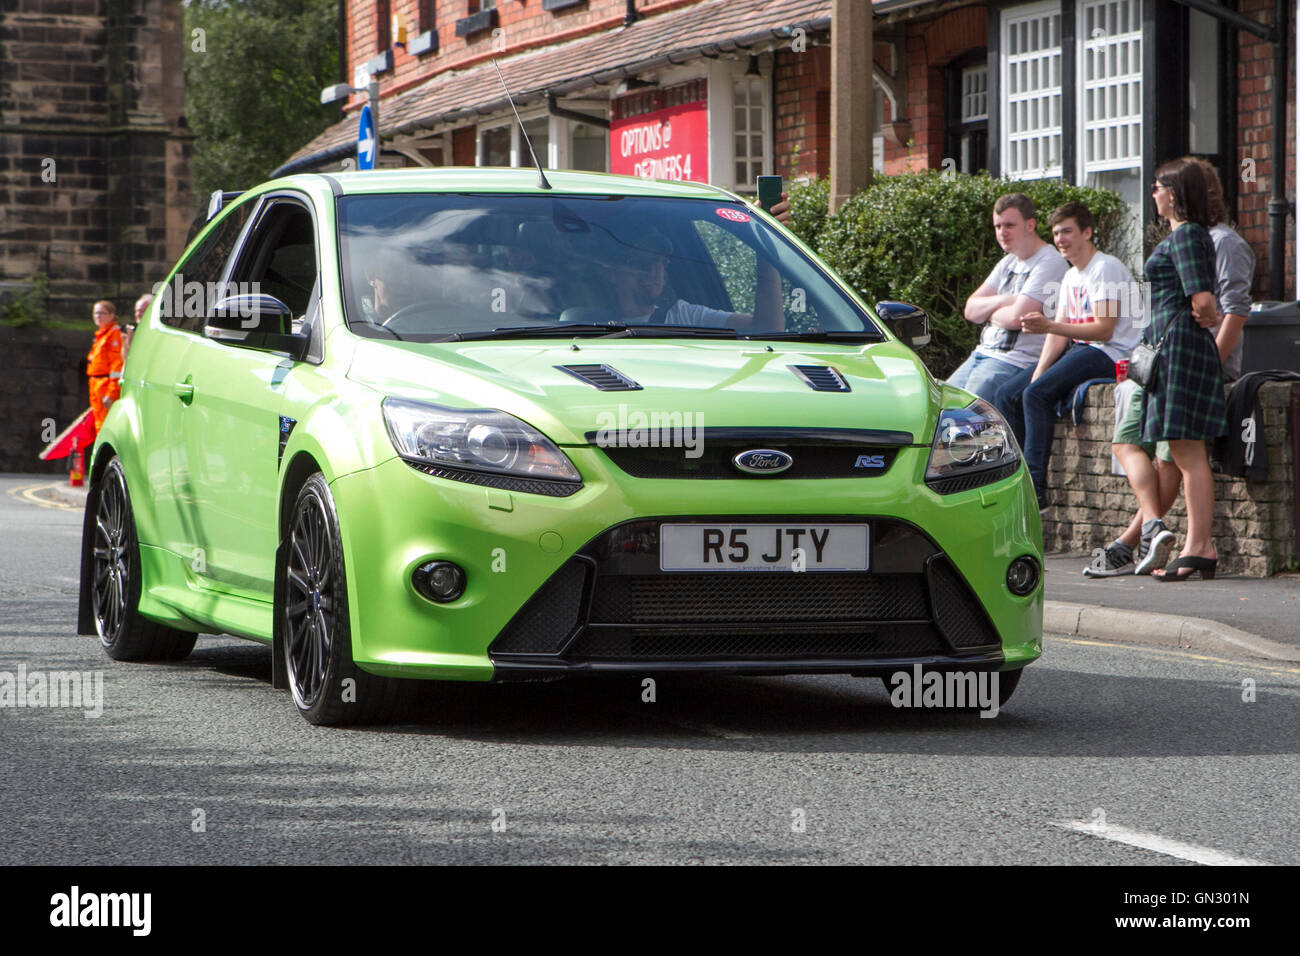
<point x="966" y="110"/>
<point x="749" y="130"/>
<point x="383" y="25"/>
<point x="1110" y="96"/>
<point x="206" y="266"/>
<point x="587" y="148"/>
<point x="425" y="14"/>
<point x="539" y="134"/>
<point x="280" y="260"/>
<point x="1031" y="84"/>
<point x="494" y="146"/>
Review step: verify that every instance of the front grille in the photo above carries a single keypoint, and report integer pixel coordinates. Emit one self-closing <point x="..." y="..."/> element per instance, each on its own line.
<point x="603" y="377"/>
<point x="676" y="449"/>
<point x="821" y="378"/>
<point x="610" y="604"/>
<point x="763" y="596"/>
<point x="550" y="617"/>
<point x="955" y="609"/>
<point x="755" y="643"/>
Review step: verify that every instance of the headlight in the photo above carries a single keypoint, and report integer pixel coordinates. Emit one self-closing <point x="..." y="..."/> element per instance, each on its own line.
<point x="476" y="440"/>
<point x="972" y="446"/>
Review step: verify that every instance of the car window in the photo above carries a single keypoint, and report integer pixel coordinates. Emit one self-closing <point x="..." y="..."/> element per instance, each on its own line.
<point x="428" y="266"/>
<point x="736" y="263"/>
<point x="186" y="299"/>
<point x="280" y="258"/>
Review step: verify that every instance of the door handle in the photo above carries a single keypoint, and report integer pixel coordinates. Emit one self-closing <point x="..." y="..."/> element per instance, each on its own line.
<point x="184" y="390"/>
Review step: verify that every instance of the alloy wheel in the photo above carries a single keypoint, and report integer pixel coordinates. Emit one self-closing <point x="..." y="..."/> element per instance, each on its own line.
<point x="310" y="608"/>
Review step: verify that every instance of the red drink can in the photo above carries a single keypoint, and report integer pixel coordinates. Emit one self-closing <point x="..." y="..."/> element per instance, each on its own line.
<point x="1121" y="370"/>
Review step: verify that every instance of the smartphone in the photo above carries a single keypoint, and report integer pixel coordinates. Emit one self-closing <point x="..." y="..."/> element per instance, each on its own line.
<point x="769" y="191"/>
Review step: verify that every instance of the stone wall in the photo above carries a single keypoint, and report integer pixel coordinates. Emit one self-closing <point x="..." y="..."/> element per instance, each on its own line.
<point x="1254" y="522"/>
<point x="94" y="153"/>
<point x="44" y="387"/>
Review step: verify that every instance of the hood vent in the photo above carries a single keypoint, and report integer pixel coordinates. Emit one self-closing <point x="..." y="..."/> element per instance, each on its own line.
<point x="602" y="377"/>
<point x="821" y="378"/>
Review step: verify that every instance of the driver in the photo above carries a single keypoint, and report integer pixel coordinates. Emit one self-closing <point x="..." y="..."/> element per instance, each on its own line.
<point x="639" y="277"/>
<point x="394" y="284"/>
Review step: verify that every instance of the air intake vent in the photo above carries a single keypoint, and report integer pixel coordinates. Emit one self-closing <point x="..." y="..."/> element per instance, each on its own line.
<point x="602" y="377"/>
<point x="821" y="378"/>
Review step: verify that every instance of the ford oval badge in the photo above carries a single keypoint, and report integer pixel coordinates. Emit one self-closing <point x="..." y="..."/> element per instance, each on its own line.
<point x="762" y="461"/>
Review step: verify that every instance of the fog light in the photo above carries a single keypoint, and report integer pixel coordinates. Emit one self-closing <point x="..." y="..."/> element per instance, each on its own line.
<point x="1022" y="576"/>
<point x="439" y="581"/>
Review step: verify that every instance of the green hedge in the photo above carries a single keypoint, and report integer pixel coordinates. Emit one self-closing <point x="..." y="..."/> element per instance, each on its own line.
<point x="927" y="238"/>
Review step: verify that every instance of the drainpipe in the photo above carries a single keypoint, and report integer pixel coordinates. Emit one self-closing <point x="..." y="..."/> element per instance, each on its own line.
<point x="1278" y="207"/>
<point x="631" y="16"/>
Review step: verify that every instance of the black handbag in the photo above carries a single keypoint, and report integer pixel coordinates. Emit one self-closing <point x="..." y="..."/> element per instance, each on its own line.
<point x="1142" y="363"/>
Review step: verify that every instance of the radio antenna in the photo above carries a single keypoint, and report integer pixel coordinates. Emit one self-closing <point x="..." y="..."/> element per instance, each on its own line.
<point x="541" y="175"/>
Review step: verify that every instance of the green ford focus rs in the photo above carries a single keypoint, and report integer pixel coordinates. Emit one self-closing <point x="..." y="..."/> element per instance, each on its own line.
<point x="457" y="425"/>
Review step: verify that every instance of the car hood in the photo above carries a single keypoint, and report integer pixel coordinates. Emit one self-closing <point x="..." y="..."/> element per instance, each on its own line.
<point x="732" y="384"/>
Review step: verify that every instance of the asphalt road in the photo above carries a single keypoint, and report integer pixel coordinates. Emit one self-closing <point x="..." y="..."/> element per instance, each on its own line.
<point x="202" y="762"/>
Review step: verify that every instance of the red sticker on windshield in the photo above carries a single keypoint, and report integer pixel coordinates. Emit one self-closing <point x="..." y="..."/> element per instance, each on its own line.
<point x="735" y="215"/>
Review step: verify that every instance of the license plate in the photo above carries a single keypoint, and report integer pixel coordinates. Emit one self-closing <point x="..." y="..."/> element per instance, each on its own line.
<point x="763" y="547"/>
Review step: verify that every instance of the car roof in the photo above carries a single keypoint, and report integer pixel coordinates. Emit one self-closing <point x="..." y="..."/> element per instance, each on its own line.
<point x="521" y="180"/>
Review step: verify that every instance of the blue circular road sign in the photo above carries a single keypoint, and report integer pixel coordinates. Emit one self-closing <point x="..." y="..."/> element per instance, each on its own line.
<point x="367" y="141"/>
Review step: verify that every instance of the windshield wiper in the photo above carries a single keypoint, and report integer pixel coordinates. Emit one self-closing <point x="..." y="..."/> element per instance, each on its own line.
<point x="823" y="335"/>
<point x="528" y="331"/>
<point x="609" y="330"/>
<point x="674" y="332"/>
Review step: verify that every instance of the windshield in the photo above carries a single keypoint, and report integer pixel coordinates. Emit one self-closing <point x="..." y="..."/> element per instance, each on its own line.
<point x="430" y="267"/>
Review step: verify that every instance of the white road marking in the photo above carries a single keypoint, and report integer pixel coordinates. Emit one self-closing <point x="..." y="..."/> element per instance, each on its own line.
<point x="1151" y="841"/>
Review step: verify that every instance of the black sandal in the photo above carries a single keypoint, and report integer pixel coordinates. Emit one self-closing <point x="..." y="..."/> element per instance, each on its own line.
<point x="1206" y="566"/>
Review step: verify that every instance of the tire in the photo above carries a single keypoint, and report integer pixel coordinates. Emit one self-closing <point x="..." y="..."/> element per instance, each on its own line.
<point x="312" y="597"/>
<point x="116" y="581"/>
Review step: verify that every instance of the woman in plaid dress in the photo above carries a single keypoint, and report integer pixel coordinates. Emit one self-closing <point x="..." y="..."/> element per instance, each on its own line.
<point x="1184" y="403"/>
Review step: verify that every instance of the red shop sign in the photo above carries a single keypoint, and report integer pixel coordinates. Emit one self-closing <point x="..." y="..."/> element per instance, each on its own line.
<point x="671" y="143"/>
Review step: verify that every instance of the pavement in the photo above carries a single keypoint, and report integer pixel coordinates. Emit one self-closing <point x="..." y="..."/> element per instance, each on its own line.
<point x="1240" y="616"/>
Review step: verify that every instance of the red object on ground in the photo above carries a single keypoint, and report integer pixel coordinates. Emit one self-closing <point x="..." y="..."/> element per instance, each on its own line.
<point x="80" y="434"/>
<point x="77" y="473"/>
<point x="1121" y="371"/>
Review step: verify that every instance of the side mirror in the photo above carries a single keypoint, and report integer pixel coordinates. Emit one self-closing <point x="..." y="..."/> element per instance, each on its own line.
<point x="907" y="322"/>
<point x="256" y="322"/>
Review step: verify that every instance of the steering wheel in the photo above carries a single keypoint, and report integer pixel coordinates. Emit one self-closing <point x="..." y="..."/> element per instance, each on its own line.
<point x="427" y="310"/>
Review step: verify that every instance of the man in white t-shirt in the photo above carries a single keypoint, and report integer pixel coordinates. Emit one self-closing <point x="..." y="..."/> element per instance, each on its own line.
<point x="1094" y="329"/>
<point x="1022" y="282"/>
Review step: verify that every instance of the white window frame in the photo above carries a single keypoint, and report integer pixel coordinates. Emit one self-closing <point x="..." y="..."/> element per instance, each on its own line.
<point x="1009" y="143"/>
<point x="968" y="97"/>
<point x="721" y="100"/>
<point x="1107" y="89"/>
<point x="492" y="124"/>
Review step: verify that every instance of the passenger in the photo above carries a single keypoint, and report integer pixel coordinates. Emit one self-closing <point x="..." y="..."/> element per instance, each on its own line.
<point x="1024" y="281"/>
<point x="1094" y="330"/>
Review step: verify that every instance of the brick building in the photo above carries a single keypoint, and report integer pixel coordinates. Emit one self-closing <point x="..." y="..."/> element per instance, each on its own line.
<point x="94" y="157"/>
<point x="1095" y="91"/>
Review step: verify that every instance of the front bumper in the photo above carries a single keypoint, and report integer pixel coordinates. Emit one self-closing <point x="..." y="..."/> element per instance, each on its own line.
<point x="560" y="586"/>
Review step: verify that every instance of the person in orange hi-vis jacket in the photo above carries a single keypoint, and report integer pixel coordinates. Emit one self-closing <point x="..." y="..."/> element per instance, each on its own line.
<point x="104" y="363"/>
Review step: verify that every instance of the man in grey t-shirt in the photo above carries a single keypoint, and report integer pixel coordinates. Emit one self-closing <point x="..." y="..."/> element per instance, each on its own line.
<point x="1026" y="280"/>
<point x="1234" y="263"/>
